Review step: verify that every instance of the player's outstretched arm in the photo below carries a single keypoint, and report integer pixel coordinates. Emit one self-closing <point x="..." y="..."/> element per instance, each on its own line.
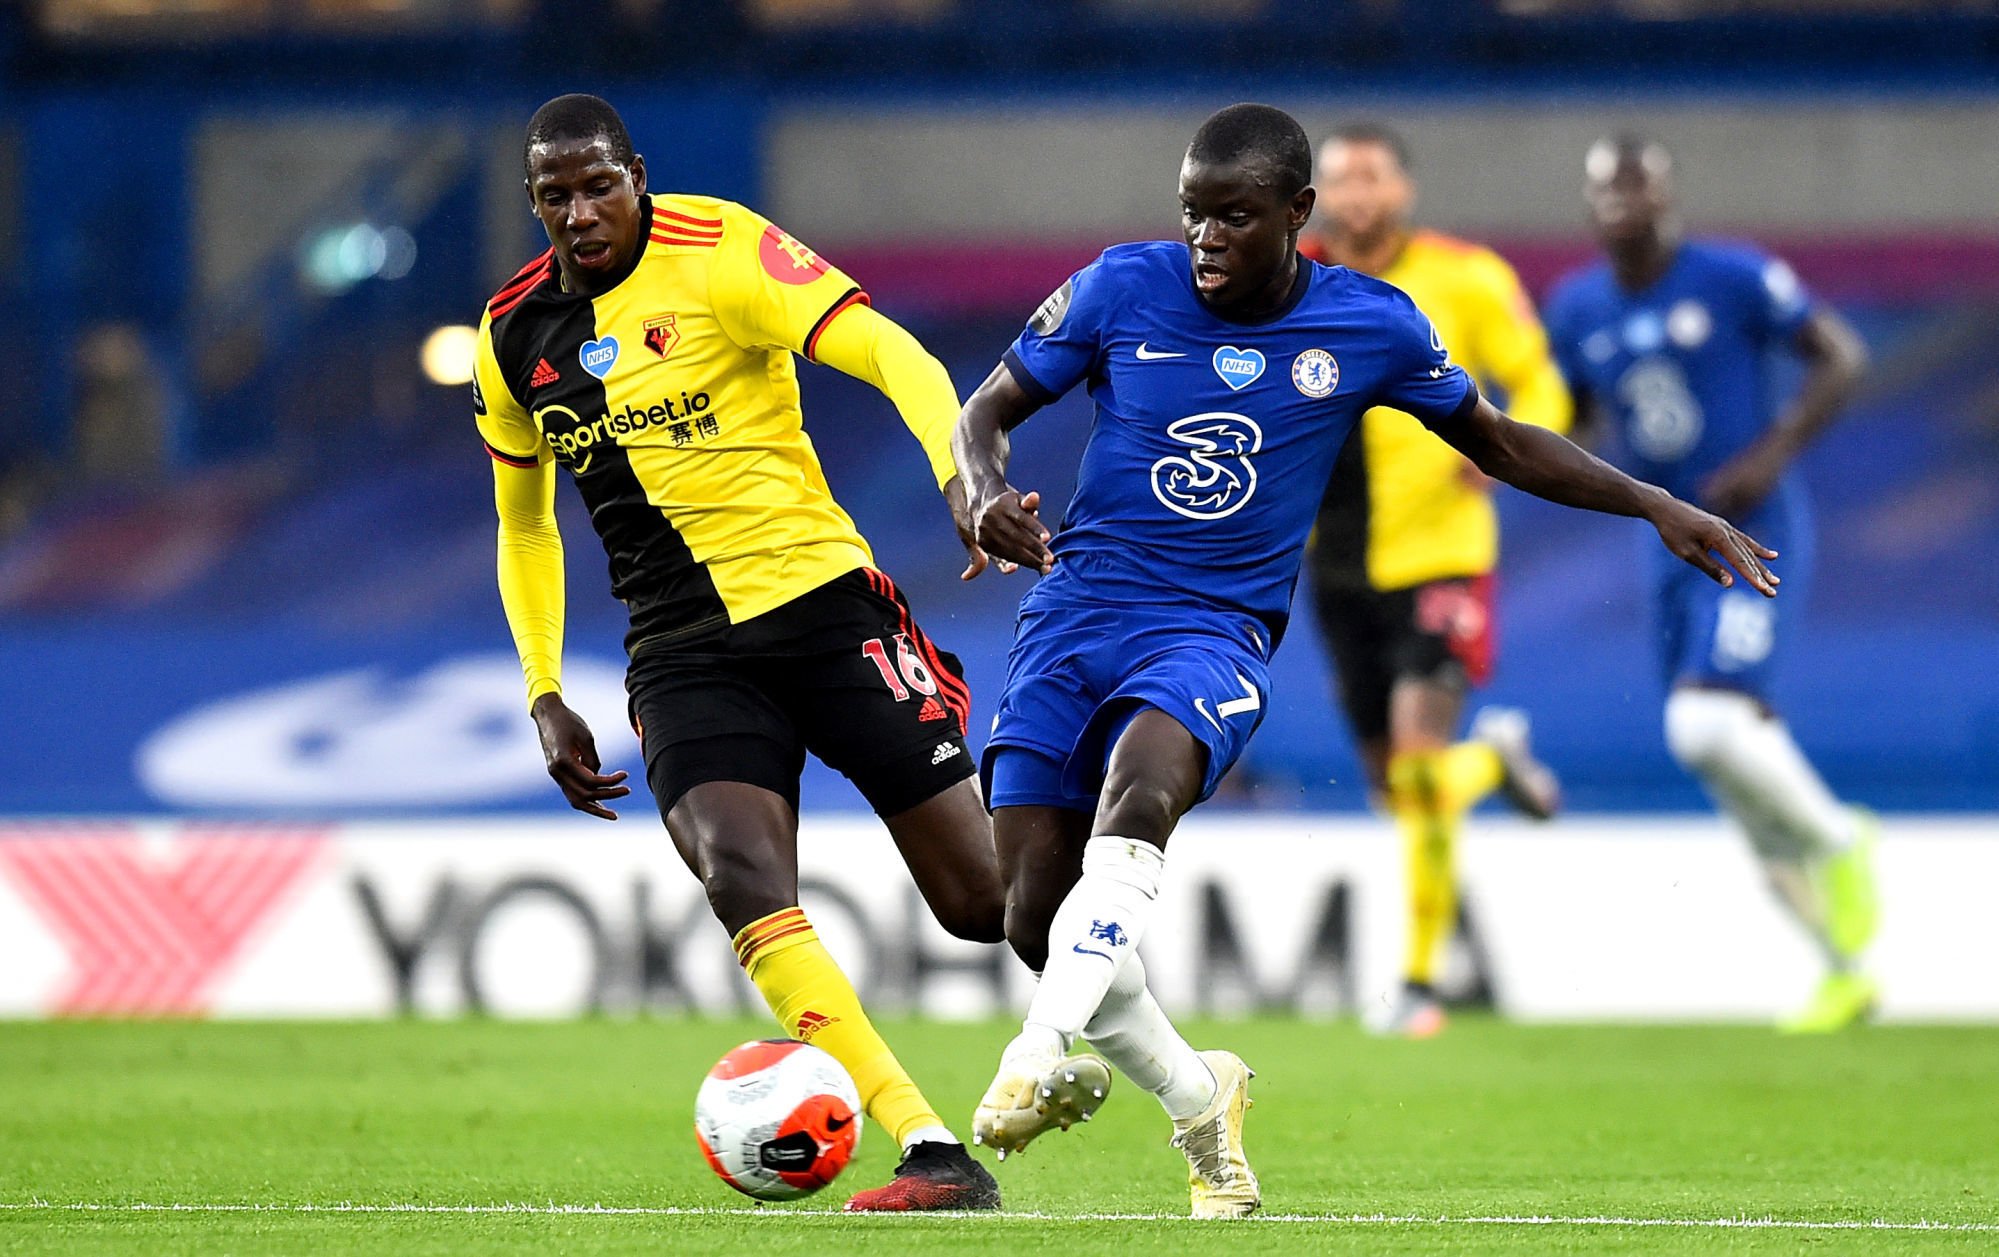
<point x="1835" y="358"/>
<point x="872" y="347"/>
<point x="1551" y="466"/>
<point x="1004" y="522"/>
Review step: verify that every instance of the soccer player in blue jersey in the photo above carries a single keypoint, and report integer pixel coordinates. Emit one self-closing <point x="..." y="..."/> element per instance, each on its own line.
<point x="1672" y="340"/>
<point x="1227" y="373"/>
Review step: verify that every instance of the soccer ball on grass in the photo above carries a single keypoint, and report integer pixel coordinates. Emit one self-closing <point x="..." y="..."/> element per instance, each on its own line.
<point x="777" y="1119"/>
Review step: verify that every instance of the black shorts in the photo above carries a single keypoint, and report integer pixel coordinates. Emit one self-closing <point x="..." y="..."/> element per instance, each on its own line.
<point x="841" y="671"/>
<point x="1439" y="632"/>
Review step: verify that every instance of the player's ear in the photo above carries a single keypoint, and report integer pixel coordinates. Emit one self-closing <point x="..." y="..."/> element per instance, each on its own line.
<point x="1301" y="206"/>
<point x="638" y="175"/>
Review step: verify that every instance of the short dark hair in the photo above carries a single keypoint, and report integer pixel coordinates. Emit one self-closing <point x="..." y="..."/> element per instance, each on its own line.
<point x="578" y="116"/>
<point x="1375" y="133"/>
<point x="1244" y="133"/>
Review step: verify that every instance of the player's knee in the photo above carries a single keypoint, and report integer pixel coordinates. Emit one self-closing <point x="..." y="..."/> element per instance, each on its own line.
<point x="1027" y="923"/>
<point x="1139" y="805"/>
<point x="974" y="914"/>
<point x="1704" y="727"/>
<point x="739" y="888"/>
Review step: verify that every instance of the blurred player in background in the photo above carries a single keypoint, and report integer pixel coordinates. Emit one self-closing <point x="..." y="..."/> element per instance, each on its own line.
<point x="1404" y="546"/>
<point x="650" y="352"/>
<point x="1227" y="373"/>
<point x="1671" y="338"/>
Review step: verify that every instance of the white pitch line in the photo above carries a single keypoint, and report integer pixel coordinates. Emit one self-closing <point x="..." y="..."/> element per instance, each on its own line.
<point x="1323" y="1219"/>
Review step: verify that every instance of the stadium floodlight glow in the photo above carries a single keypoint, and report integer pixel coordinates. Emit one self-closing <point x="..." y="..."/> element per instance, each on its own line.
<point x="448" y="352"/>
<point x="340" y="257"/>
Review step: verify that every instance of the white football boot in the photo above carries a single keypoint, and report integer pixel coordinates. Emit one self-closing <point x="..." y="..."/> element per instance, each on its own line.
<point x="1035" y="1091"/>
<point x="1529" y="785"/>
<point x="1218" y="1174"/>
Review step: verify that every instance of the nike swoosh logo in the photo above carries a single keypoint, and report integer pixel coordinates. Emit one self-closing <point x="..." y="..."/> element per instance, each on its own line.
<point x="837" y="1124"/>
<point x="1233" y="707"/>
<point x="1081" y="950"/>
<point x="1154" y="355"/>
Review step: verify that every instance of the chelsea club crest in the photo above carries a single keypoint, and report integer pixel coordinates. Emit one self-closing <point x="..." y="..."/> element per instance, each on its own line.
<point x="1315" y="373"/>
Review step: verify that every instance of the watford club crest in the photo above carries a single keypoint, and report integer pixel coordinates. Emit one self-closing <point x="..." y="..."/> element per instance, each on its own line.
<point x="660" y="335"/>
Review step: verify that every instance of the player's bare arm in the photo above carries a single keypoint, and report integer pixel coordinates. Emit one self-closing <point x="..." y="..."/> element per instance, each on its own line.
<point x="570" y="751"/>
<point x="1005" y="523"/>
<point x="1551" y="466"/>
<point x="1835" y="358"/>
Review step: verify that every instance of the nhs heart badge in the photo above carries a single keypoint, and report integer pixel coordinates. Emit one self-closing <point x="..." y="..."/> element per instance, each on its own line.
<point x="600" y="355"/>
<point x="1238" y="367"/>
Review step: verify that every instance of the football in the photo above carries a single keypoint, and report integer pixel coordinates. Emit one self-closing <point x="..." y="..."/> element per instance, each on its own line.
<point x="777" y="1119"/>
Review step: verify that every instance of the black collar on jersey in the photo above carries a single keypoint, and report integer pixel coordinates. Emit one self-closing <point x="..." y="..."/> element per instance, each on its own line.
<point x="1298" y="287"/>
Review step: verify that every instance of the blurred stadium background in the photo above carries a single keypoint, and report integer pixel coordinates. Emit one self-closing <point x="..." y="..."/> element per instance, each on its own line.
<point x="246" y="544"/>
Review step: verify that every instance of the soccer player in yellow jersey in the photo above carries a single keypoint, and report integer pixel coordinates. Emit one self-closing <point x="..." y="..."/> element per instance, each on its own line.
<point x="650" y="352"/>
<point x="1404" y="548"/>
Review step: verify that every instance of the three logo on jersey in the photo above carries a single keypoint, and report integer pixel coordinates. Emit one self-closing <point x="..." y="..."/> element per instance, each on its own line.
<point x="1215" y="477"/>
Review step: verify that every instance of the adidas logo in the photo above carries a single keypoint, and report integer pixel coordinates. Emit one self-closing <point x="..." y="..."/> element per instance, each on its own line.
<point x="811" y="1023"/>
<point x="932" y="710"/>
<point x="544" y="375"/>
<point x="945" y="750"/>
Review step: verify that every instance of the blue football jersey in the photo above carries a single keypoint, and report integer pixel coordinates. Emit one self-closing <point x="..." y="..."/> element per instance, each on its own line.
<point x="1684" y="366"/>
<point x="1213" y="440"/>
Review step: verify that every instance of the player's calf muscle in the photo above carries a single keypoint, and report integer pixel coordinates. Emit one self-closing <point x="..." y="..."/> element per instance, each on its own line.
<point x="947" y="842"/>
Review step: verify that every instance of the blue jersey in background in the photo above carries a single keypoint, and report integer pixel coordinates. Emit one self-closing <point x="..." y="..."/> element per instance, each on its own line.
<point x="1684" y="365"/>
<point x="1686" y="370"/>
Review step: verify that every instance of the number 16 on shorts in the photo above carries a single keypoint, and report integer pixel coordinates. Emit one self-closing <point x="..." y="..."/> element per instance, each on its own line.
<point x="905" y="673"/>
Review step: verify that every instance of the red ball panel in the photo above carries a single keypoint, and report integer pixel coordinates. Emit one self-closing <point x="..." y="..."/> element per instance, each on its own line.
<point x="753" y="1056"/>
<point x="834" y="1126"/>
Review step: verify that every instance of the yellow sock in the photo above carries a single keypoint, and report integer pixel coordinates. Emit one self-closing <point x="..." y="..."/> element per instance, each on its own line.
<point x="814" y="1001"/>
<point x="1466" y="773"/>
<point x="1429" y="792"/>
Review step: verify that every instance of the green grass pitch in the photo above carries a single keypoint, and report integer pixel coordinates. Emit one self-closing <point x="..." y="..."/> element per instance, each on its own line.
<point x="1614" y="1135"/>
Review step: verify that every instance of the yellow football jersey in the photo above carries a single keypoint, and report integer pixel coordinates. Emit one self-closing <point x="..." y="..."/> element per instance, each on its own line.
<point x="1400" y="509"/>
<point x="673" y="400"/>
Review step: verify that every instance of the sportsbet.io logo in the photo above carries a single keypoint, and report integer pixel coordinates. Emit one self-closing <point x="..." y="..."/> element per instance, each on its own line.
<point x="574" y="441"/>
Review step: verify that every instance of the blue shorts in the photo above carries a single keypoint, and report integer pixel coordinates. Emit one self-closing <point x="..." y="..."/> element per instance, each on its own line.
<point x="1077" y="675"/>
<point x="1734" y="638"/>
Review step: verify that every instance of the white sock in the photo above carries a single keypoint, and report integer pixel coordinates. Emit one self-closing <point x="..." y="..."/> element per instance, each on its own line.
<point x="1755" y="773"/>
<point x="1794" y="885"/>
<point x="929" y="1135"/>
<point x="1132" y="1032"/>
<point x="1748" y="760"/>
<point x="1095" y="931"/>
